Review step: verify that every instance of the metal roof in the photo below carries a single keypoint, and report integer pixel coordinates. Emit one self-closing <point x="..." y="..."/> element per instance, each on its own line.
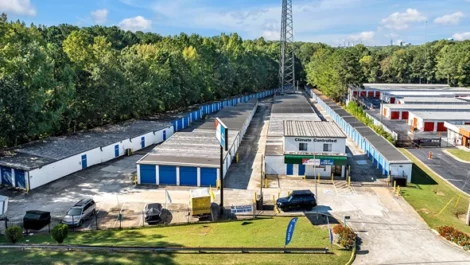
<point x="39" y="153"/>
<point x="406" y="86"/>
<point x="442" y="115"/>
<point x="199" y="147"/>
<point x="438" y="100"/>
<point x="388" y="151"/>
<point x="436" y="107"/>
<point x="286" y="107"/>
<point x="313" y="129"/>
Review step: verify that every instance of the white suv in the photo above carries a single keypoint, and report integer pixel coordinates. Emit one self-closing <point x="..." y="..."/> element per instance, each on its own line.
<point x="79" y="212"/>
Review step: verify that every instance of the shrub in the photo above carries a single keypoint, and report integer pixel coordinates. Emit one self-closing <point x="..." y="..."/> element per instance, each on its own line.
<point x="455" y="236"/>
<point x="59" y="233"/>
<point x="346" y="237"/>
<point x="14" y="233"/>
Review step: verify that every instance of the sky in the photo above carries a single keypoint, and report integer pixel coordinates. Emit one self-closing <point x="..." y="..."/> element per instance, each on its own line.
<point x="335" y="22"/>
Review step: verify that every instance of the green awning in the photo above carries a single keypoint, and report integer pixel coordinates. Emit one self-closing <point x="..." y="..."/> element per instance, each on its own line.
<point x="324" y="160"/>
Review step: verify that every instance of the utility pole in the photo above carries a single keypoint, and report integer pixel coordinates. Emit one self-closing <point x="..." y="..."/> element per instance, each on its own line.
<point x="287" y="56"/>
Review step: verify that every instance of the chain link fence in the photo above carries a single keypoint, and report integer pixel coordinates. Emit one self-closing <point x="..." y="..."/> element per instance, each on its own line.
<point x="124" y="217"/>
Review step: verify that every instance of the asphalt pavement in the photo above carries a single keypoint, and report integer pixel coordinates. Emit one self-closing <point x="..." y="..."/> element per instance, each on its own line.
<point x="454" y="171"/>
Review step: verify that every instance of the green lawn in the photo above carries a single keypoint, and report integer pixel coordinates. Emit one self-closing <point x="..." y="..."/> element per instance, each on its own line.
<point x="429" y="194"/>
<point x="460" y="154"/>
<point x="255" y="233"/>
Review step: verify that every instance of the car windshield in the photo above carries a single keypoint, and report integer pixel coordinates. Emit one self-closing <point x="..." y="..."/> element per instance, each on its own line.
<point x="75" y="211"/>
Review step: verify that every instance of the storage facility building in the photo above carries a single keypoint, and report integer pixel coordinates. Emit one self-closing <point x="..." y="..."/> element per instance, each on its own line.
<point x="383" y="154"/>
<point x="193" y="158"/>
<point x="37" y="163"/>
<point x="434" y="121"/>
<point x="431" y="100"/>
<point x="315" y="148"/>
<point x="400" y="111"/>
<point x="285" y="107"/>
<point x="458" y="135"/>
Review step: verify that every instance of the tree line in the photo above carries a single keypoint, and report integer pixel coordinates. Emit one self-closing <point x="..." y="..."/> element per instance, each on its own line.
<point x="60" y="79"/>
<point x="333" y="69"/>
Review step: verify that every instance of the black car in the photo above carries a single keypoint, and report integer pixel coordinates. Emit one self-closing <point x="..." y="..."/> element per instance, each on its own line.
<point x="152" y="213"/>
<point x="36" y="220"/>
<point x="297" y="200"/>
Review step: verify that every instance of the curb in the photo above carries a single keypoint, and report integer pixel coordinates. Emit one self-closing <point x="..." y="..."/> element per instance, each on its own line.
<point x="455" y="157"/>
<point x="353" y="255"/>
<point x="441" y="177"/>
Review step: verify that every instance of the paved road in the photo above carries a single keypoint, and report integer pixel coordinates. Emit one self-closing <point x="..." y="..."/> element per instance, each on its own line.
<point x="239" y="175"/>
<point x="454" y="171"/>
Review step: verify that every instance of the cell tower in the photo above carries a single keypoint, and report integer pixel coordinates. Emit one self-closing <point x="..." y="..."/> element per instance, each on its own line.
<point x="286" y="62"/>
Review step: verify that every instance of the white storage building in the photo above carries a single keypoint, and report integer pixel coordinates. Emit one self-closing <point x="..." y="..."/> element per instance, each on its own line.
<point x="401" y="111"/>
<point x="37" y="163"/>
<point x="193" y="158"/>
<point x="435" y="121"/>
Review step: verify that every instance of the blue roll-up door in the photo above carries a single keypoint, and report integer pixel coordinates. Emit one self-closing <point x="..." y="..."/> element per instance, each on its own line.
<point x="20" y="181"/>
<point x="84" y="162"/>
<point x="186" y="122"/>
<point x="301" y="170"/>
<point x="180" y="124"/>
<point x="164" y="135"/>
<point x="188" y="176"/>
<point x="7" y="178"/>
<point x="290" y="169"/>
<point x="167" y="175"/>
<point x="142" y="142"/>
<point x="116" y="150"/>
<point x="148" y="174"/>
<point x="208" y="176"/>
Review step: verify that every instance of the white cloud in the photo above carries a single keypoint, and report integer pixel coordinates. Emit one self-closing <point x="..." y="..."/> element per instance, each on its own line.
<point x="450" y="19"/>
<point x="365" y="36"/>
<point x="100" y="16"/>
<point x="400" y="21"/>
<point x="137" y="23"/>
<point x="461" y="36"/>
<point x="19" y="7"/>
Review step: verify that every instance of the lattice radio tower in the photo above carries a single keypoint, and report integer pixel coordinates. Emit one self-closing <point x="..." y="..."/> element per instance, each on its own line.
<point x="286" y="62"/>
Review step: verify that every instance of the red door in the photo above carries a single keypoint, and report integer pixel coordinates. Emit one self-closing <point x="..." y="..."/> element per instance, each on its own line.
<point x="370" y="94"/>
<point x="377" y="94"/>
<point x="363" y="93"/>
<point x="392" y="100"/>
<point x="429" y="126"/>
<point x="355" y="93"/>
<point x="395" y="115"/>
<point x="404" y="115"/>
<point x="441" y="127"/>
<point x="467" y="123"/>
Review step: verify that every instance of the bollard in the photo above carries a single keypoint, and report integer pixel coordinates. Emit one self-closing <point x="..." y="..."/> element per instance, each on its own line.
<point x="349" y="181"/>
<point x="255" y="197"/>
<point x="332" y="181"/>
<point x="288" y="193"/>
<point x="274" y="200"/>
<point x="394" y="185"/>
<point x="265" y="183"/>
<point x="398" y="190"/>
<point x="279" y="195"/>
<point x="318" y="178"/>
<point x="238" y="157"/>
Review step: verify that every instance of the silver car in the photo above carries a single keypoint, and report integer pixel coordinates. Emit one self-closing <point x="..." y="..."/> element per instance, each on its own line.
<point x="79" y="212"/>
